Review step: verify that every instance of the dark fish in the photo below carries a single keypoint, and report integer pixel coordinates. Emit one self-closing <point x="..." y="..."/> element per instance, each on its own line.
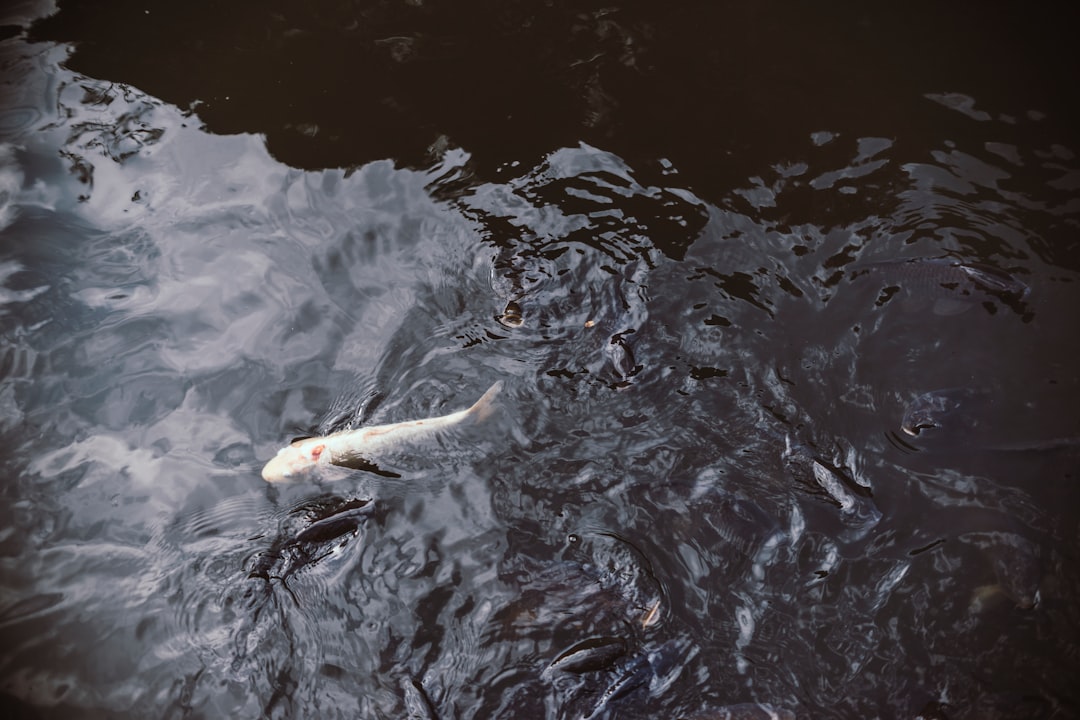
<point x="418" y="705"/>
<point x="1001" y="538"/>
<point x="742" y="711"/>
<point x="310" y="545"/>
<point x="590" y="655"/>
<point x="938" y="408"/>
<point x="1067" y="445"/>
<point x="345" y="521"/>
<point x="516" y="274"/>
<point x="656" y="670"/>
<point x="748" y="528"/>
<point x="948" y="286"/>
<point x="605" y="588"/>
<point x="621" y="356"/>
<point x="959" y="418"/>
<point x="1016" y="564"/>
<point x="621" y="567"/>
<point x="637" y="673"/>
<point x="857" y="509"/>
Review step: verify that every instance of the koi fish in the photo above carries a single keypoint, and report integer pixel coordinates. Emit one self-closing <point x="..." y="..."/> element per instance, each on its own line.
<point x="937" y="409"/>
<point x="357" y="447"/>
<point x="945" y="285"/>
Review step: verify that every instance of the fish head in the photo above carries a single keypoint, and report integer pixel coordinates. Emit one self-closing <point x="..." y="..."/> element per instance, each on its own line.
<point x="295" y="461"/>
<point x="918" y="419"/>
<point x="932" y="409"/>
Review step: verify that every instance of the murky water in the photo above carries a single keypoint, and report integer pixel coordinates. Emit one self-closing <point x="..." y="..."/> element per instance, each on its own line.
<point x="804" y="444"/>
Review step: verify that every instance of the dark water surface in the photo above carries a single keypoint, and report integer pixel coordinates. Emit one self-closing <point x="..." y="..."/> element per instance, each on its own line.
<point x="782" y="298"/>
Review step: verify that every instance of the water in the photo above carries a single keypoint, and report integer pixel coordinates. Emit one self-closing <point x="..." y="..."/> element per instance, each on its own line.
<point x="695" y="481"/>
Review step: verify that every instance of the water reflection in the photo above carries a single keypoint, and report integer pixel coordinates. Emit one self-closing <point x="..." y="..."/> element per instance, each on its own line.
<point x="701" y="495"/>
<point x="722" y="92"/>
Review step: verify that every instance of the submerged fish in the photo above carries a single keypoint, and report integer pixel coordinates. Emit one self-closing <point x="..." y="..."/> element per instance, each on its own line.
<point x="937" y="408"/>
<point x="655" y="670"/>
<point x="754" y="533"/>
<point x="344" y="521"/>
<point x="621" y="355"/>
<point x="949" y="286"/>
<point x="590" y="655"/>
<point x="357" y="447"/>
<point x="857" y="509"/>
<point x="1016" y="565"/>
<point x="418" y="705"/>
<point x="331" y="525"/>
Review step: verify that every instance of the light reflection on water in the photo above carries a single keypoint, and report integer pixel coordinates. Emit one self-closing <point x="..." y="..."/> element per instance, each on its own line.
<point x="695" y="451"/>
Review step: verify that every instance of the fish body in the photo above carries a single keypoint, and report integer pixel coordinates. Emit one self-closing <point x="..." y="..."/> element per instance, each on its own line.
<point x="292" y="553"/>
<point x="1016" y="564"/>
<point x="418" y="705"/>
<point x="655" y="670"/>
<point x="352" y="447"/>
<point x="857" y="509"/>
<point x="939" y="409"/>
<point x="949" y="286"/>
<point x="746" y="527"/>
<point x="621" y="355"/>
<point x="345" y="521"/>
<point x="590" y="655"/>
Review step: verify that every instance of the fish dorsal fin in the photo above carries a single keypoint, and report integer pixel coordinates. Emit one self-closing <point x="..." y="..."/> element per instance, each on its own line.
<point x="483" y="407"/>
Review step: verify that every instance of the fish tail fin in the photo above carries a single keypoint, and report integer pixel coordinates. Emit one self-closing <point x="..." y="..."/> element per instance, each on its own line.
<point x="483" y="407"/>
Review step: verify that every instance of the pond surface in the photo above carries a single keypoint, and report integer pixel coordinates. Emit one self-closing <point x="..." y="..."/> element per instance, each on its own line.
<point x="793" y="434"/>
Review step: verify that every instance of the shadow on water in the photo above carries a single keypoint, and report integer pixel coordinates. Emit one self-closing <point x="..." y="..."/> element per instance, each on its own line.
<point x="787" y="424"/>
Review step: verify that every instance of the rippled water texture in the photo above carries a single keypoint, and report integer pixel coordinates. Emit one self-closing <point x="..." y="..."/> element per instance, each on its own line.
<point x="807" y="446"/>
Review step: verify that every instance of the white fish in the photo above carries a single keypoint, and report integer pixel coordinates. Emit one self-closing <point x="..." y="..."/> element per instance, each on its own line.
<point x="350" y="447"/>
